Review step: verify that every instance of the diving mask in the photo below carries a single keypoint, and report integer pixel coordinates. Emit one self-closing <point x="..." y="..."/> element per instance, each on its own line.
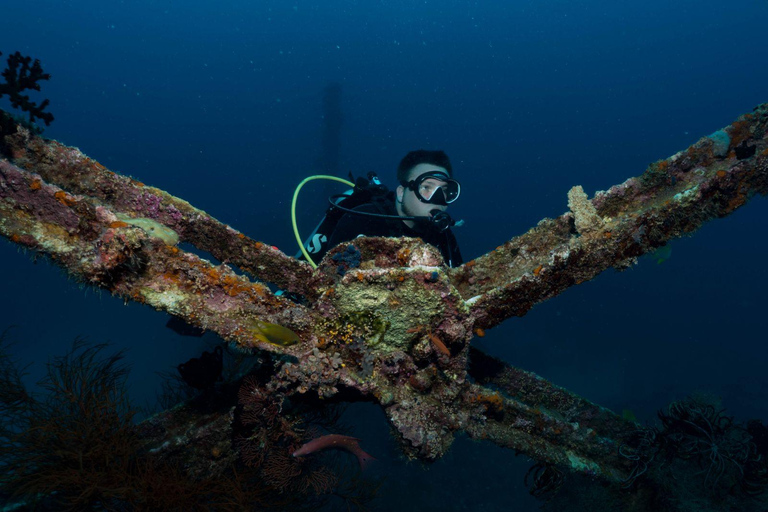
<point x="434" y="187"/>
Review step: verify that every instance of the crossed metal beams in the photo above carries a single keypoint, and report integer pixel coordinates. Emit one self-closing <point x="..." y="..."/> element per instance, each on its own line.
<point x="392" y="323"/>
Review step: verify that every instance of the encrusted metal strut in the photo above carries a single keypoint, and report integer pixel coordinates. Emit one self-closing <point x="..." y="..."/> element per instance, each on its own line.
<point x="380" y="319"/>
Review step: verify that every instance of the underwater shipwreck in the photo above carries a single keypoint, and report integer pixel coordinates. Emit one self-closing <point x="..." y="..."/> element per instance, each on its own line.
<point x="385" y="321"/>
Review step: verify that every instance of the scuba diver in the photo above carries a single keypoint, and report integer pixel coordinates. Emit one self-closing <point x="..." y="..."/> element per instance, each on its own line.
<point x="417" y="208"/>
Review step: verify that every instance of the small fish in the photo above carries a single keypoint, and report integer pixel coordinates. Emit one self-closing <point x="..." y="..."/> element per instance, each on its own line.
<point x="439" y="345"/>
<point x="628" y="415"/>
<point x="662" y="254"/>
<point x="351" y="444"/>
<point x="273" y="334"/>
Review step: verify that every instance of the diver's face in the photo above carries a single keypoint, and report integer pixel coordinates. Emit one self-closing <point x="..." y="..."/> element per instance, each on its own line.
<point x="408" y="204"/>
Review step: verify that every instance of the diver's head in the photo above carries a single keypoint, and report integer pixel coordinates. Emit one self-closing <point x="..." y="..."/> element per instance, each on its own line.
<point x="426" y="184"/>
<point x="422" y="156"/>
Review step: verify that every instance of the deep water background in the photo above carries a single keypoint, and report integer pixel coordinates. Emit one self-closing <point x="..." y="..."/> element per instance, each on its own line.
<point x="220" y="103"/>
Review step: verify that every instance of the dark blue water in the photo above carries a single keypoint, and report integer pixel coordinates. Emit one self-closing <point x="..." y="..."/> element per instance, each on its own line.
<point x="221" y="103"/>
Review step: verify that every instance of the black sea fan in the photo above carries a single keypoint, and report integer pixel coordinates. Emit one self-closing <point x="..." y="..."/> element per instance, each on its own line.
<point x="22" y="74"/>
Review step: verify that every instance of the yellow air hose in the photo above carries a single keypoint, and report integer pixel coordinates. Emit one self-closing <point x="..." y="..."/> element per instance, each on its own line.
<point x="293" y="209"/>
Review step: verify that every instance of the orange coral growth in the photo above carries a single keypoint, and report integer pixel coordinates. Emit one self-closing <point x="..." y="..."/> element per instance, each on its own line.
<point x="537" y="270"/>
<point x="118" y="224"/>
<point x="234" y="285"/>
<point x="231" y="283"/>
<point x="493" y="402"/>
<point x="736" y="202"/>
<point x="172" y="277"/>
<point x="739" y="131"/>
<point x="607" y="234"/>
<point x="212" y="273"/>
<point x="36" y="184"/>
<point x="402" y="257"/>
<point x="343" y="334"/>
<point x="480" y="332"/>
<point x="15" y="238"/>
<point x="236" y="290"/>
<point x="721" y="174"/>
<point x="64" y="198"/>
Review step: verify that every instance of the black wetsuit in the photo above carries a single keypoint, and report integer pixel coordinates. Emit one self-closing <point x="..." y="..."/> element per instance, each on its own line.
<point x="351" y="226"/>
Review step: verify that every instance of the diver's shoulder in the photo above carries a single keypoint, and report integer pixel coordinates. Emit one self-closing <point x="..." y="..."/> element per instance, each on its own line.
<point x="380" y="207"/>
<point x="366" y="208"/>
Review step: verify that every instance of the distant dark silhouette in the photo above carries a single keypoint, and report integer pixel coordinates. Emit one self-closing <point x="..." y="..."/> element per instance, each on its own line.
<point x="328" y="160"/>
<point x="333" y="119"/>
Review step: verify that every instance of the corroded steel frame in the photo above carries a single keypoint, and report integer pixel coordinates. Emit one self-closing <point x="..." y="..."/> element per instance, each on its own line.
<point x="383" y="317"/>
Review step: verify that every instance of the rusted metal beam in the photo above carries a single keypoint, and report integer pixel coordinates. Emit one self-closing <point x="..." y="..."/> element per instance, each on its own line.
<point x="69" y="169"/>
<point x="385" y="320"/>
<point x="136" y="259"/>
<point x="674" y="197"/>
<point x="548" y="423"/>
